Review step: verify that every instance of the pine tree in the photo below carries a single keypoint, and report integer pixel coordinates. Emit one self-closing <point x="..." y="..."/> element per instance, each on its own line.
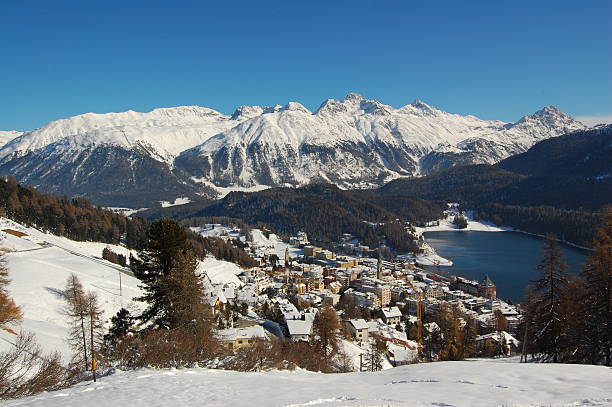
<point x="166" y="241"/>
<point x="378" y="349"/>
<point x="121" y="324"/>
<point x="544" y="305"/>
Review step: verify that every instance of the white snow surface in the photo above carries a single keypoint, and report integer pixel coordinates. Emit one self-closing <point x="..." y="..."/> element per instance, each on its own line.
<point x="468" y="383"/>
<point x="6" y="136"/>
<point x="164" y="132"/>
<point x="220" y="271"/>
<point x="178" y="201"/>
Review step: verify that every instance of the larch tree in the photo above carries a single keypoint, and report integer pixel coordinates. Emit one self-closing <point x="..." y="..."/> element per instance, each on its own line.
<point x="76" y="310"/>
<point x="184" y="289"/>
<point x="596" y="313"/>
<point x="94" y="327"/>
<point x="544" y="306"/>
<point x="325" y="328"/>
<point x="9" y="311"/>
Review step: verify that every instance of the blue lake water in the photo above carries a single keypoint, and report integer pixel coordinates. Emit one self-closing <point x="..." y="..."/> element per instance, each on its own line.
<point x="509" y="258"/>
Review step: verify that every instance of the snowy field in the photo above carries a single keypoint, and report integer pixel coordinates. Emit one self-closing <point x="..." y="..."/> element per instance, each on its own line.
<point x="470" y="383"/>
<point x="481" y="226"/>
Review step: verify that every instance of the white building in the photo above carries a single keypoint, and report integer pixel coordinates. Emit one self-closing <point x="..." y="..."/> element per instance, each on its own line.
<point x="358" y="328"/>
<point x="236" y="338"/>
<point x="299" y="329"/>
<point x="392" y="315"/>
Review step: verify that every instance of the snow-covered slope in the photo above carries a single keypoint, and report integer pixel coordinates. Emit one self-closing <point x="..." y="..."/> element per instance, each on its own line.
<point x="116" y="159"/>
<point x="163" y="132"/>
<point x="39" y="265"/>
<point x="471" y="383"/>
<point x="189" y="151"/>
<point x="6" y="136"/>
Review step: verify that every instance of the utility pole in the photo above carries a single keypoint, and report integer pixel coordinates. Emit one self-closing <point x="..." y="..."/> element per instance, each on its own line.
<point x="524" y="351"/>
<point x="120" y="286"/>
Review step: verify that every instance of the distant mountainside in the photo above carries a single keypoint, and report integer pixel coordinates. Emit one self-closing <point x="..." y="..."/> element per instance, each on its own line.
<point x="558" y="186"/>
<point x="135" y="159"/>
<point x="323" y="211"/>
<point x="570" y="171"/>
<point x="585" y="154"/>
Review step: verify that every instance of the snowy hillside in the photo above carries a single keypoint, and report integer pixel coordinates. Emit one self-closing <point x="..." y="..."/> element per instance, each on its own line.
<point x="470" y="383"/>
<point x="6" y="136"/>
<point x="39" y="265"/>
<point x="133" y="159"/>
<point x="162" y="132"/>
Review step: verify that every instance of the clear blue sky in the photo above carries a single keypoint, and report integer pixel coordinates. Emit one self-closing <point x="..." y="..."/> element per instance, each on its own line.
<point x="494" y="59"/>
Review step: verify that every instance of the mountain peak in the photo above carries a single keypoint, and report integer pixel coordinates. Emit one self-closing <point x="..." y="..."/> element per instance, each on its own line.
<point x="547" y="110"/>
<point x="549" y="117"/>
<point x="421" y="105"/>
<point x="295" y="107"/>
<point x="354" y="97"/>
<point x="246" y="112"/>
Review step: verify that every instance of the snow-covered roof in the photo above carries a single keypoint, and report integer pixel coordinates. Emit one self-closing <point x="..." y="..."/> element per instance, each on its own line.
<point x="391" y="312"/>
<point x="359" y="323"/>
<point x="232" y="334"/>
<point x="299" y="327"/>
<point x="497" y="337"/>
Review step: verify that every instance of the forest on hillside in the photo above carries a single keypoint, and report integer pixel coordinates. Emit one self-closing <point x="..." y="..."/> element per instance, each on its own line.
<point x="323" y="211"/>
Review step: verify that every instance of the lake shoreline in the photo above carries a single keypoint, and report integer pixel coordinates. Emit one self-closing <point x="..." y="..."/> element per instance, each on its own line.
<point x="510" y="259"/>
<point x="446" y="224"/>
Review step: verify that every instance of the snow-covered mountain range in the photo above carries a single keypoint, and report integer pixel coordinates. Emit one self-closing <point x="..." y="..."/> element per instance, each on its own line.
<point x="132" y="158"/>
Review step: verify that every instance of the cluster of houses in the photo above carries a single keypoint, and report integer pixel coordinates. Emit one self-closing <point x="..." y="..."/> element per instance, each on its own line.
<point x="295" y="285"/>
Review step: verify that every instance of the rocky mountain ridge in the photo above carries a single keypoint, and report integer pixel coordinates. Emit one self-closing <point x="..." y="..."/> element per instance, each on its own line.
<point x="134" y="158"/>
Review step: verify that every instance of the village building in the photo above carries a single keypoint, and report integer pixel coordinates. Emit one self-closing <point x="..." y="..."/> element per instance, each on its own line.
<point x="358" y="328"/>
<point x="236" y="338"/>
<point x="391" y="315"/>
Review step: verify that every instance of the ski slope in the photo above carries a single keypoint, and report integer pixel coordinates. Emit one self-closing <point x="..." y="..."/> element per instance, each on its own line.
<point x="469" y="383"/>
